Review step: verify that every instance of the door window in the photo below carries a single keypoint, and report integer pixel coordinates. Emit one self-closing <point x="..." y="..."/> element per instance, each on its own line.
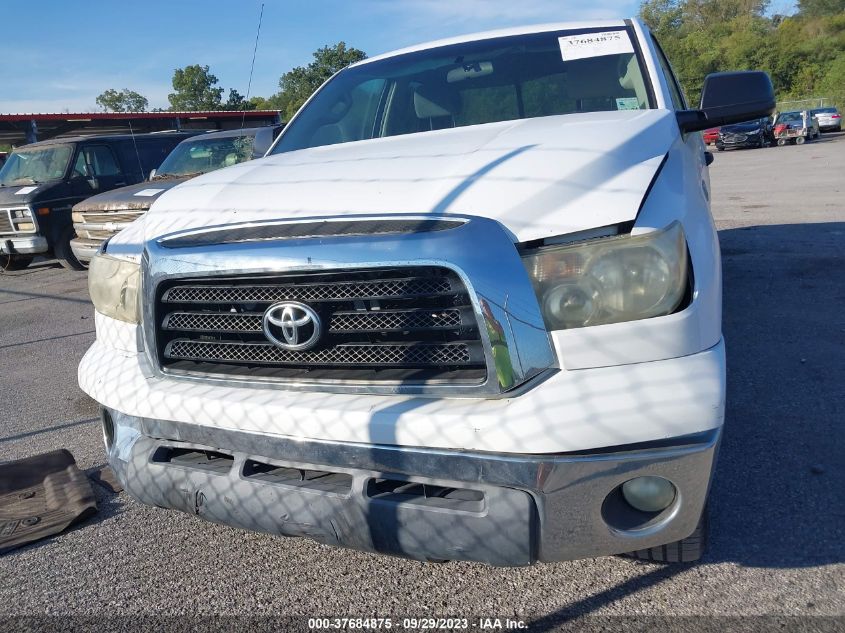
<point x="96" y="161"/>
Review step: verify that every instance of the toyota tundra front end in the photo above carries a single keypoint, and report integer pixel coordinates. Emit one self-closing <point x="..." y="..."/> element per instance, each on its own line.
<point x="468" y="307"/>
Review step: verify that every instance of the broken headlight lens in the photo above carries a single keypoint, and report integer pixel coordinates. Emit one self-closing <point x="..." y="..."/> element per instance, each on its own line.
<point x="115" y="286"/>
<point x="610" y="280"/>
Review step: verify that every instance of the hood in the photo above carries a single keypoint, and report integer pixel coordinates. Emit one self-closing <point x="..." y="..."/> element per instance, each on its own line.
<point x="137" y="197"/>
<point x="539" y="177"/>
<point x="21" y="195"/>
<point x="741" y="127"/>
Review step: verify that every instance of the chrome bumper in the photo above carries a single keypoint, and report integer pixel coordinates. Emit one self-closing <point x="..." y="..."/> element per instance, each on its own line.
<point x="29" y="245"/>
<point x="505" y="509"/>
<point x="84" y="250"/>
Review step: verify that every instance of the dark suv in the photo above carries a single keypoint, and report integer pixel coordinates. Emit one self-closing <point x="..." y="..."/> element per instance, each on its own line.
<point x="39" y="183"/>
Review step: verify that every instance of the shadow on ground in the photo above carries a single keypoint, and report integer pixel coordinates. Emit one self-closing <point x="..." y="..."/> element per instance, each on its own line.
<point x="778" y="495"/>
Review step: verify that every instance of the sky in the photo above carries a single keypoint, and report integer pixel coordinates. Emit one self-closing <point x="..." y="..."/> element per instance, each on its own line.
<point x="60" y="54"/>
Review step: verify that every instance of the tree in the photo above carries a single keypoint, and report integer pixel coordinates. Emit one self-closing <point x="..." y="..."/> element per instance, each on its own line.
<point x="815" y="8"/>
<point x="300" y="83"/>
<point x="122" y="101"/>
<point x="236" y="101"/>
<point x="801" y="52"/>
<point x="195" y="89"/>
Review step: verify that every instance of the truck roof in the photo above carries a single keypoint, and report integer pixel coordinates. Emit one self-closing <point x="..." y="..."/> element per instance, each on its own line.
<point x="487" y="35"/>
<point x="110" y="137"/>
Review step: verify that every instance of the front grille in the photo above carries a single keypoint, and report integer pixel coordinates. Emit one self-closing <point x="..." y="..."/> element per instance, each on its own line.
<point x="399" y="325"/>
<point x="95" y="235"/>
<point x="94" y="217"/>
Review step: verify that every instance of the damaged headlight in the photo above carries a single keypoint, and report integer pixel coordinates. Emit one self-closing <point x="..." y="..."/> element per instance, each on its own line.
<point x="610" y="280"/>
<point x="115" y="286"/>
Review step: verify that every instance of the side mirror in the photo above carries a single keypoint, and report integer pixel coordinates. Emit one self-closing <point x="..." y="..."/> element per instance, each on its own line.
<point x="152" y="174"/>
<point x="93" y="182"/>
<point x="731" y="97"/>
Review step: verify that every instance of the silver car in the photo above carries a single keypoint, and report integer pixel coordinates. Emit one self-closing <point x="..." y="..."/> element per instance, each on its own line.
<point x="829" y="119"/>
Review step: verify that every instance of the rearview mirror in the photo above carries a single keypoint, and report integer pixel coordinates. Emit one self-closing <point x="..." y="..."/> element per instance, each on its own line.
<point x="731" y="97"/>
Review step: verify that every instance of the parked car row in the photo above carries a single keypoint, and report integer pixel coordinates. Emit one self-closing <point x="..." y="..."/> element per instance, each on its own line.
<point x="66" y="196"/>
<point x="794" y="127"/>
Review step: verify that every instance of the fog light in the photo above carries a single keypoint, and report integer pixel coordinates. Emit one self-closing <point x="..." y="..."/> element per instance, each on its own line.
<point x="649" y="494"/>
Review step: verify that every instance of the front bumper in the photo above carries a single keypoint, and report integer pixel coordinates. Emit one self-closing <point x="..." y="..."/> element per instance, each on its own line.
<point x="26" y="245"/>
<point x="751" y="141"/>
<point x="84" y="250"/>
<point x="501" y="509"/>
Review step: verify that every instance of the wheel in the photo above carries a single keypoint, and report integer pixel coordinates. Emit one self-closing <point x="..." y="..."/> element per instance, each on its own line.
<point x="762" y="143"/>
<point x="781" y="142"/>
<point x="687" y="550"/>
<point x="64" y="253"/>
<point x="9" y="263"/>
<point x="800" y="140"/>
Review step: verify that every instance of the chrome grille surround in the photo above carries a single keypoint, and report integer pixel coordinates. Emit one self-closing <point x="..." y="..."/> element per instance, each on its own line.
<point x="479" y="253"/>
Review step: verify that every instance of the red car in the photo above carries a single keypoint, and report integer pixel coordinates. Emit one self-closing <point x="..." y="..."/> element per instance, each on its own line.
<point x="711" y="135"/>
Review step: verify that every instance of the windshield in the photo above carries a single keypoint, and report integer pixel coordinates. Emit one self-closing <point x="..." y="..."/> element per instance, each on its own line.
<point x="501" y="79"/>
<point x="198" y="156"/>
<point x="35" y="165"/>
<point x="791" y="117"/>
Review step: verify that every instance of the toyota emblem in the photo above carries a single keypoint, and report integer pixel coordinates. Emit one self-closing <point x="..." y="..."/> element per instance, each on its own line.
<point x="292" y="326"/>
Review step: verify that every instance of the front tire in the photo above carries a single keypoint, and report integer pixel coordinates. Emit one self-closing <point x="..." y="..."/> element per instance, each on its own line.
<point x="8" y="263"/>
<point x="64" y="253"/>
<point x="800" y="140"/>
<point x="687" y="550"/>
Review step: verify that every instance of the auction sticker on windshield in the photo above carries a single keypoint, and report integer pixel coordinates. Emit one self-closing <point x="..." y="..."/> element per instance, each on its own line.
<point x="594" y="45"/>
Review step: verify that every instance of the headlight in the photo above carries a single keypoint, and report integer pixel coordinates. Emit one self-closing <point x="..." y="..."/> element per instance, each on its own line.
<point x="610" y="280"/>
<point x="115" y="285"/>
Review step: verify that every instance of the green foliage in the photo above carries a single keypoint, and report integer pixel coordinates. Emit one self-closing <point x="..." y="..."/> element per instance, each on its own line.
<point x="195" y="89"/>
<point x="237" y="101"/>
<point x="300" y="83"/>
<point x="804" y="54"/>
<point x="122" y="101"/>
<point x="816" y="8"/>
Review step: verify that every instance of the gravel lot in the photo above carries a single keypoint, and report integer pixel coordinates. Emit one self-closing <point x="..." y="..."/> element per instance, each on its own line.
<point x="778" y="503"/>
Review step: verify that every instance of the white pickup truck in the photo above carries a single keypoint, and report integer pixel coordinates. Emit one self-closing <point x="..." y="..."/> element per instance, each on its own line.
<point x="467" y="307"/>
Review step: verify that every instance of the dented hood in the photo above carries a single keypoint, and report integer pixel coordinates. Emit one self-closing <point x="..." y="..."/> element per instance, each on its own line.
<point x="539" y="177"/>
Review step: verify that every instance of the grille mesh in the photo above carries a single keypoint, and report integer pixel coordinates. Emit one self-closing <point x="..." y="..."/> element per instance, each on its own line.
<point x="312" y="292"/>
<point x="210" y="322"/>
<point x="415" y="322"/>
<point x="378" y="321"/>
<point x="340" y="322"/>
<point x="358" y="355"/>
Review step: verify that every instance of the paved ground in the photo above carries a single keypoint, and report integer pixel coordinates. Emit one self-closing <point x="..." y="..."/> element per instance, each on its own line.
<point x="778" y="504"/>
